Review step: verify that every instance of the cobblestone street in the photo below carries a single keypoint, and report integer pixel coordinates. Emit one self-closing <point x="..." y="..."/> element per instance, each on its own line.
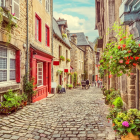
<point x="75" y="115"/>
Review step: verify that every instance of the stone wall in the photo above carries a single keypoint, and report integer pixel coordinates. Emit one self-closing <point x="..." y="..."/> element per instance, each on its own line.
<point x="18" y="40"/>
<point x="77" y="61"/>
<point x="63" y="64"/>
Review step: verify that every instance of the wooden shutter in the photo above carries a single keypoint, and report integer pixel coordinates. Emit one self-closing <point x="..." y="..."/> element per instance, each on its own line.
<point x="35" y="27"/>
<point x="48" y="36"/>
<point x="18" y="66"/>
<point x="15" y="8"/>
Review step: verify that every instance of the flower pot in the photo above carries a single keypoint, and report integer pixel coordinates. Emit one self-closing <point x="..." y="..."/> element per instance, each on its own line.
<point x="6" y="110"/>
<point x="130" y="136"/>
<point x="70" y="87"/>
<point x="25" y="103"/>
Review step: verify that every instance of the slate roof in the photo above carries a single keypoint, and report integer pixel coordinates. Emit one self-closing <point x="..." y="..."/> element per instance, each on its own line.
<point x="81" y="39"/>
<point x="57" y="31"/>
<point x="91" y="44"/>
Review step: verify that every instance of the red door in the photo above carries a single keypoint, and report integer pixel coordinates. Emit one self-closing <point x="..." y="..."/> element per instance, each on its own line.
<point x="60" y="79"/>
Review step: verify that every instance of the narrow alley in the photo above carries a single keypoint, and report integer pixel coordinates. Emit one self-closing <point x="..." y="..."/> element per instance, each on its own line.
<point x="75" y="115"/>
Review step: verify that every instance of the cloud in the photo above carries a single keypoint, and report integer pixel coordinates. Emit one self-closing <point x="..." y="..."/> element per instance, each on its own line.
<point x="82" y="1"/>
<point x="76" y="24"/>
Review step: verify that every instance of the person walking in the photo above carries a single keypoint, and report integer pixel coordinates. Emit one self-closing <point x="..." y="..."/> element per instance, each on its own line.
<point x="95" y="83"/>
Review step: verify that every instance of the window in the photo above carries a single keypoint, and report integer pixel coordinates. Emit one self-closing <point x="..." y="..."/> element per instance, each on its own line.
<point x="7" y="64"/>
<point x="59" y="51"/>
<point x="37" y="28"/>
<point x="47" y="32"/>
<point x="40" y="1"/>
<point x="2" y="3"/>
<point x="66" y="54"/>
<point x="40" y="74"/>
<point x="48" y="5"/>
<point x="15" y="8"/>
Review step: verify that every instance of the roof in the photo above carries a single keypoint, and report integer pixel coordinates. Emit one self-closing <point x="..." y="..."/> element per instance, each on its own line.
<point x="57" y="31"/>
<point x="63" y="22"/>
<point x="81" y="39"/>
<point x="91" y="44"/>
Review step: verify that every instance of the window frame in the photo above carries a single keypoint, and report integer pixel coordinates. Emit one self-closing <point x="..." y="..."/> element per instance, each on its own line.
<point x="47" y="38"/>
<point x="48" y="4"/>
<point x="38" y="75"/>
<point x="8" y="69"/>
<point x="3" y="2"/>
<point x="40" y="28"/>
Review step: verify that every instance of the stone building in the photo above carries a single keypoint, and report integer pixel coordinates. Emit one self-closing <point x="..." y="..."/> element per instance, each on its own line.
<point x="40" y="43"/>
<point x="87" y="47"/>
<point x="13" y="52"/>
<point x="108" y="12"/>
<point x="77" y="58"/>
<point x="61" y="47"/>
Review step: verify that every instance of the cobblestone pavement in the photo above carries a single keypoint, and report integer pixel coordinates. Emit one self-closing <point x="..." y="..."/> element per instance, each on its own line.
<point x="75" y="115"/>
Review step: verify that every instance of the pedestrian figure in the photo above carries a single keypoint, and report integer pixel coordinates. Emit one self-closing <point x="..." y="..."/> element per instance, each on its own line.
<point x="98" y="83"/>
<point x="95" y="83"/>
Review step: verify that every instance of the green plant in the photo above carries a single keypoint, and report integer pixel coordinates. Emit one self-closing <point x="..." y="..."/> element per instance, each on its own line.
<point x="121" y="55"/>
<point x="69" y="73"/>
<point x="59" y="72"/>
<point x="128" y="122"/>
<point x="64" y="35"/>
<point x="25" y="97"/>
<point x="113" y="112"/>
<point x="59" y="87"/>
<point x="101" y="71"/>
<point x="67" y="85"/>
<point x="62" y="58"/>
<point x="118" y="102"/>
<point x="75" y="79"/>
<point x="68" y="60"/>
<point x="70" y="86"/>
<point x="28" y="87"/>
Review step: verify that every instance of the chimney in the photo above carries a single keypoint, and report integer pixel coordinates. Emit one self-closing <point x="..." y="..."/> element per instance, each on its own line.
<point x="74" y="38"/>
<point x="68" y="33"/>
<point x="87" y="38"/>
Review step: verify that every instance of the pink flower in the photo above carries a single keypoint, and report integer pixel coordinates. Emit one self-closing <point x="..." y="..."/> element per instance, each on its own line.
<point x="13" y="14"/>
<point x="131" y="73"/>
<point x="110" y="76"/>
<point x="120" y="61"/>
<point x="125" y="123"/>
<point x="111" y="57"/>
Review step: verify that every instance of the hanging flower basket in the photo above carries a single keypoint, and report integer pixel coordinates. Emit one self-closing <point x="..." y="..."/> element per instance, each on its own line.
<point x="62" y="58"/>
<point x="59" y="72"/>
<point x="68" y="60"/>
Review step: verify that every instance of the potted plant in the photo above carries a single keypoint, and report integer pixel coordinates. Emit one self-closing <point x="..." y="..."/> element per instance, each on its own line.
<point x="128" y="124"/>
<point x="68" y="60"/>
<point x="59" y="88"/>
<point x="118" y="103"/>
<point x="69" y="73"/>
<point x="62" y="58"/>
<point x="25" y="98"/>
<point x="64" y="35"/>
<point x="59" y="72"/>
<point x="70" y="86"/>
<point x="67" y="85"/>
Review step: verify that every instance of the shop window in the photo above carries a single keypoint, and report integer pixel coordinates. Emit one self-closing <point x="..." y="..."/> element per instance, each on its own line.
<point x="40" y="74"/>
<point x="8" y="65"/>
<point x="37" y="28"/>
<point x="47" y="34"/>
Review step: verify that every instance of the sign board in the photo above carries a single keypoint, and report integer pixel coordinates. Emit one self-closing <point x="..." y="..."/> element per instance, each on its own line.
<point x="53" y="84"/>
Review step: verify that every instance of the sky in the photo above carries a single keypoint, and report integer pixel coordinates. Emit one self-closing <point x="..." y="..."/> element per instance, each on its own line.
<point x="80" y="16"/>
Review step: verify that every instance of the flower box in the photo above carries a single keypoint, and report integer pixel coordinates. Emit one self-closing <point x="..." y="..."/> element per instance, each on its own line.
<point x="56" y="63"/>
<point x="130" y="136"/>
<point x="7" y="110"/>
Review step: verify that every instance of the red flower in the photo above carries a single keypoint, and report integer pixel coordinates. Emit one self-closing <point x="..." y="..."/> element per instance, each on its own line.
<point x="124" y="37"/>
<point x="127" y="62"/>
<point x="119" y="47"/>
<point x="110" y="76"/>
<point x="129" y="51"/>
<point x="139" y="45"/>
<point x="121" y="39"/>
<point x="124" y="45"/>
<point x="136" y="58"/>
<point x="119" y="29"/>
<point x="134" y="64"/>
<point x="120" y="61"/>
<point x="131" y="73"/>
<point x="131" y="58"/>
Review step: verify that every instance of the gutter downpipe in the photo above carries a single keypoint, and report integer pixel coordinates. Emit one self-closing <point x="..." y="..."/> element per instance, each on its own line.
<point x="137" y="96"/>
<point x="27" y="51"/>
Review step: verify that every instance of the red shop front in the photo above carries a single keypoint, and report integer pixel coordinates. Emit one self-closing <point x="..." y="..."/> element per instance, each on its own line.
<point x="40" y="66"/>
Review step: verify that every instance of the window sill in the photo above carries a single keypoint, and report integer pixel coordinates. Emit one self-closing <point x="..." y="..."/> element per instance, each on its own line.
<point x="38" y="41"/>
<point x="5" y="18"/>
<point x="5" y="86"/>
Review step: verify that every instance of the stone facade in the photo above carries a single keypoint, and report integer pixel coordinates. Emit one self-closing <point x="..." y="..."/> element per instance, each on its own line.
<point x="77" y="59"/>
<point x="107" y="12"/>
<point x="61" y="47"/>
<point x="17" y="42"/>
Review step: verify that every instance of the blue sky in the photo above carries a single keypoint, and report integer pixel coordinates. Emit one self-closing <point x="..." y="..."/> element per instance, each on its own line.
<point x="80" y="15"/>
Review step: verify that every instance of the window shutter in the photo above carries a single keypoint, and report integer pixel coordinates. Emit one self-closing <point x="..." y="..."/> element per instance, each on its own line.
<point x="36" y="28"/>
<point x="40" y="30"/>
<point x="48" y="38"/>
<point x="18" y="66"/>
<point x="15" y="8"/>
